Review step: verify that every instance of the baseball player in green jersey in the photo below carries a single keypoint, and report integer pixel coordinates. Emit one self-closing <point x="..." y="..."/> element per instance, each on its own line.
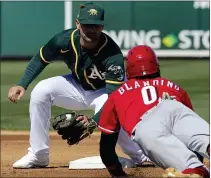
<point x="97" y="67"/>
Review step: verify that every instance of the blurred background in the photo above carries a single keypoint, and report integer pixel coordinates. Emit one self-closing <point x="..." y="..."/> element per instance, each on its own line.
<point x="178" y="31"/>
<point x="174" y="29"/>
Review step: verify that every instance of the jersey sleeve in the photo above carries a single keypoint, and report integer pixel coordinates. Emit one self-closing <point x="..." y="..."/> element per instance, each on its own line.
<point x="33" y="69"/>
<point x="115" y="72"/>
<point x="51" y="51"/>
<point x="45" y="56"/>
<point x="186" y="101"/>
<point x="108" y="122"/>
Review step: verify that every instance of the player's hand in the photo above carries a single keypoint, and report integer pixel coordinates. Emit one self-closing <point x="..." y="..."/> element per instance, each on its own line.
<point x="16" y="93"/>
<point x="84" y="120"/>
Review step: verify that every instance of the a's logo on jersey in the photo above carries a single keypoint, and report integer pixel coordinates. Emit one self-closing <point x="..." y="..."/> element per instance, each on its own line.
<point x="92" y="12"/>
<point x="96" y="74"/>
<point x="117" y="71"/>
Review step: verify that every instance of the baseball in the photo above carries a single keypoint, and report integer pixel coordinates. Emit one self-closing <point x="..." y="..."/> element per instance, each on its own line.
<point x="68" y="116"/>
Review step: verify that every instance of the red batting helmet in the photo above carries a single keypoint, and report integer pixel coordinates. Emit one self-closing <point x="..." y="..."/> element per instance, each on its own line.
<point x="141" y="61"/>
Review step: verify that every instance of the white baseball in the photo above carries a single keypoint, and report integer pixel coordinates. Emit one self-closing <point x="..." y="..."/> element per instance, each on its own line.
<point x="68" y="116"/>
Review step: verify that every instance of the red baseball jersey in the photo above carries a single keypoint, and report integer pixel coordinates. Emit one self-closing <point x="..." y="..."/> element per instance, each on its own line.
<point x="126" y="105"/>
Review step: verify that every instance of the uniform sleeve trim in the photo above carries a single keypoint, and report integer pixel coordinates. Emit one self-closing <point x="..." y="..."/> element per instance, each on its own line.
<point x="76" y="53"/>
<point x="106" y="130"/>
<point x="43" y="57"/>
<point x="113" y="82"/>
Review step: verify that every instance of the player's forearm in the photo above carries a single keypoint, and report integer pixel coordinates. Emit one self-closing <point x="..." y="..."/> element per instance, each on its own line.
<point x="109" y="156"/>
<point x="33" y="69"/>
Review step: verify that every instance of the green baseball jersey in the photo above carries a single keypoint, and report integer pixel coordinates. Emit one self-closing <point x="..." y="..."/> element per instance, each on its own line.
<point x="92" y="71"/>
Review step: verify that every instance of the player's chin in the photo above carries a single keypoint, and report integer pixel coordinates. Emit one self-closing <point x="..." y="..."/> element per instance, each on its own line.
<point x="93" y="39"/>
<point x="93" y="42"/>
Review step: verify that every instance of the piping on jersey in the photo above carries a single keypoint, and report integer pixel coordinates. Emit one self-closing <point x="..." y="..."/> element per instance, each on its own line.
<point x="114" y="82"/>
<point x="102" y="46"/>
<point x="76" y="54"/>
<point x="87" y="80"/>
<point x="43" y="57"/>
<point x="110" y="131"/>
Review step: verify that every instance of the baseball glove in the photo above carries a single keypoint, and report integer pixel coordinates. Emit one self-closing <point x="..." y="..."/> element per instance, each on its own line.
<point x="71" y="129"/>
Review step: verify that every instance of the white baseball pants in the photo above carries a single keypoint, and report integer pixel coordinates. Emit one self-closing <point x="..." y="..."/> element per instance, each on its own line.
<point x="66" y="93"/>
<point x="170" y="132"/>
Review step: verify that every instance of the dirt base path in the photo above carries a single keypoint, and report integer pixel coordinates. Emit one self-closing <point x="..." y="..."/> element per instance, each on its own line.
<point x="14" y="145"/>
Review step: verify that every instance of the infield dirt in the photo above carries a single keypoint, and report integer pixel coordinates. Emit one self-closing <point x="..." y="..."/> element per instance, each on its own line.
<point x="14" y="145"/>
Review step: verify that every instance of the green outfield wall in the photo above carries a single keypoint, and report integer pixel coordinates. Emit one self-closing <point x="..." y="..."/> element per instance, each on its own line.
<point x="173" y="29"/>
<point x="26" y="26"/>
